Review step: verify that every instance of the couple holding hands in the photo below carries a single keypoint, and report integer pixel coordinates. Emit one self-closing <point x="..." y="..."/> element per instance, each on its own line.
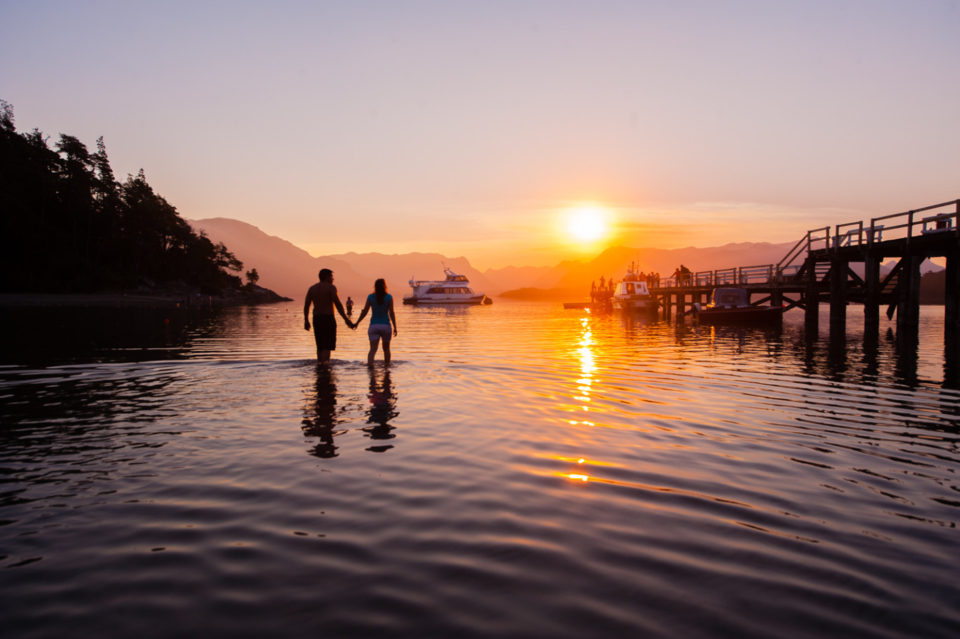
<point x="323" y="295"/>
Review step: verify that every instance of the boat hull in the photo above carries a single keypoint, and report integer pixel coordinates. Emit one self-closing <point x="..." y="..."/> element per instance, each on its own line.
<point x="635" y="304"/>
<point x="766" y="315"/>
<point x="461" y="301"/>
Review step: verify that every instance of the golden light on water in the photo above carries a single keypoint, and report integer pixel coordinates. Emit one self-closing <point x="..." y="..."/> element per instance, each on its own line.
<point x="587" y="364"/>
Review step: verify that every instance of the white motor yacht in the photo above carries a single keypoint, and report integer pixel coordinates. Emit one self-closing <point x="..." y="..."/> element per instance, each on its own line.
<point x="455" y="289"/>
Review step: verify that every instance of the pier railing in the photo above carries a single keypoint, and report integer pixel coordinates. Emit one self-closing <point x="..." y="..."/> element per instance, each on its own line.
<point x="939" y="218"/>
<point x="814" y="239"/>
<point x="924" y="222"/>
<point x="735" y="276"/>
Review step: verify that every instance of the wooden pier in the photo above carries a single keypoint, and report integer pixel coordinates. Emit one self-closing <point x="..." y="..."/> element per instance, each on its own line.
<point x="818" y="269"/>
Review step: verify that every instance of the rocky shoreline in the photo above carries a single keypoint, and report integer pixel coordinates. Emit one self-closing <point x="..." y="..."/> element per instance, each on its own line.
<point x="249" y="295"/>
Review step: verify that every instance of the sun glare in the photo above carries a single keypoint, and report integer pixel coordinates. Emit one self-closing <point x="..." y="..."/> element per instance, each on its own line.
<point x="587" y="223"/>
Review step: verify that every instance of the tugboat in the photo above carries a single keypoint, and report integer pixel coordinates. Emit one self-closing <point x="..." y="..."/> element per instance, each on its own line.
<point x="454" y="289"/>
<point x="632" y="293"/>
<point x="732" y="306"/>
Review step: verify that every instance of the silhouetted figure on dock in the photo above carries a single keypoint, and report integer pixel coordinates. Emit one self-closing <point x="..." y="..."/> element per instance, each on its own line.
<point x="323" y="296"/>
<point x="349" y="306"/>
<point x="381" y="304"/>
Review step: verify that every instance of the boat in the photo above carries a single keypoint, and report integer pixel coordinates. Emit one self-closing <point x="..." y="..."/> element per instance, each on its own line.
<point x="454" y="289"/>
<point x="732" y="306"/>
<point x="632" y="294"/>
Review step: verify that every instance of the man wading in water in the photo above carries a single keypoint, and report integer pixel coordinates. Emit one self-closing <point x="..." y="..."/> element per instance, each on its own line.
<point x="323" y="296"/>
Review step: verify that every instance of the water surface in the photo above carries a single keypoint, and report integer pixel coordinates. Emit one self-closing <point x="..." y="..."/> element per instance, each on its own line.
<point x="519" y="471"/>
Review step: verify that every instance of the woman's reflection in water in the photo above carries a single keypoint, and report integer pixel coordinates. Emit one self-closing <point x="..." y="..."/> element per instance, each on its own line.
<point x="321" y="414"/>
<point x="382" y="408"/>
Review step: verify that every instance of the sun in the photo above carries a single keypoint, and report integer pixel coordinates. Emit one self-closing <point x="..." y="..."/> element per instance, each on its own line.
<point x="587" y="223"/>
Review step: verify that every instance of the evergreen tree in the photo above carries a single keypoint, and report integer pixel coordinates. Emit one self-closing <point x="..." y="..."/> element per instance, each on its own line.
<point x="68" y="225"/>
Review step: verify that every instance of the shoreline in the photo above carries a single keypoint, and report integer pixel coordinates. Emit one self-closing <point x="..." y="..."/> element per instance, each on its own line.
<point x="138" y="300"/>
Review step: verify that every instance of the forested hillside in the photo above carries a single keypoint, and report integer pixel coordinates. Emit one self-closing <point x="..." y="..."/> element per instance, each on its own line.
<point x="68" y="225"/>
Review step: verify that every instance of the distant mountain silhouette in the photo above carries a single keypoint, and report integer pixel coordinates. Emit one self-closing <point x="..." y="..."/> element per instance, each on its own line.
<point x="282" y="266"/>
<point x="513" y="277"/>
<point x="613" y="262"/>
<point x="290" y="270"/>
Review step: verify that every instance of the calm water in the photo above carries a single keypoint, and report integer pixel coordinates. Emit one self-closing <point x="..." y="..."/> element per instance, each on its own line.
<point x="520" y="471"/>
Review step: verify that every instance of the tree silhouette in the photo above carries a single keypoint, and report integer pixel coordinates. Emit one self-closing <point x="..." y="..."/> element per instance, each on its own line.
<point x="69" y="225"/>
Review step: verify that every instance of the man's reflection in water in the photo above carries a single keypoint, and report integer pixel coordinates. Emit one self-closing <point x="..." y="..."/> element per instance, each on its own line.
<point x="382" y="408"/>
<point x="321" y="414"/>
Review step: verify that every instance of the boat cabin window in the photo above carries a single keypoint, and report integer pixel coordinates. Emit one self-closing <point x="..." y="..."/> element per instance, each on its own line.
<point x="633" y="288"/>
<point x="450" y="290"/>
<point x="729" y="297"/>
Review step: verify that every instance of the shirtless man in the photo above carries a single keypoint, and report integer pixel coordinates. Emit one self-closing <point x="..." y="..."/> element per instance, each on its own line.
<point x="323" y="296"/>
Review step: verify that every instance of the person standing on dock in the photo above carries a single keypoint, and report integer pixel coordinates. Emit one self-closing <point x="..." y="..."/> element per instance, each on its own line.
<point x="349" y="306"/>
<point x="323" y="295"/>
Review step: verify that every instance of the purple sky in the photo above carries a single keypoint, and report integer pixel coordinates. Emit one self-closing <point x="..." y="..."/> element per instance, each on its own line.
<point x="468" y="128"/>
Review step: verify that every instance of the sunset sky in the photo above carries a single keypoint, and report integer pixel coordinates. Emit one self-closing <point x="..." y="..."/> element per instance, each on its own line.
<point x="473" y="128"/>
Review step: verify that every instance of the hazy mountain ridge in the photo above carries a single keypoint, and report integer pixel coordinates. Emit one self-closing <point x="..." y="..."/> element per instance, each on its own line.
<point x="290" y="270"/>
<point x="282" y="266"/>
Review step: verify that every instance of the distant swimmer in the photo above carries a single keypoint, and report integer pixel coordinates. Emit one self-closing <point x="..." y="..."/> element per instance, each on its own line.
<point x="381" y="304"/>
<point x="323" y="296"/>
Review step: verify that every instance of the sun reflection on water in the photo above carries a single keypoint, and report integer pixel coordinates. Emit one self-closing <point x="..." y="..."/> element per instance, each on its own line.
<point x="588" y="365"/>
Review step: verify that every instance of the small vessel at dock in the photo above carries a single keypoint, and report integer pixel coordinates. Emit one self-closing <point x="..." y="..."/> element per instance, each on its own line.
<point x="732" y="306"/>
<point x="632" y="294"/>
<point x="454" y="289"/>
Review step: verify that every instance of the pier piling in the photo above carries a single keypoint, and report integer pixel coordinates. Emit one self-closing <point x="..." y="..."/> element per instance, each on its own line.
<point x="818" y="268"/>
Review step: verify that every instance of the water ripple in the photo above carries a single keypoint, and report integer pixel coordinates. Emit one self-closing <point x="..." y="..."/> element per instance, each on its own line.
<point x="519" y="471"/>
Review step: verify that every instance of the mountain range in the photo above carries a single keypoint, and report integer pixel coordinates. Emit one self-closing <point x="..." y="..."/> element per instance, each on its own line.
<point x="289" y="270"/>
